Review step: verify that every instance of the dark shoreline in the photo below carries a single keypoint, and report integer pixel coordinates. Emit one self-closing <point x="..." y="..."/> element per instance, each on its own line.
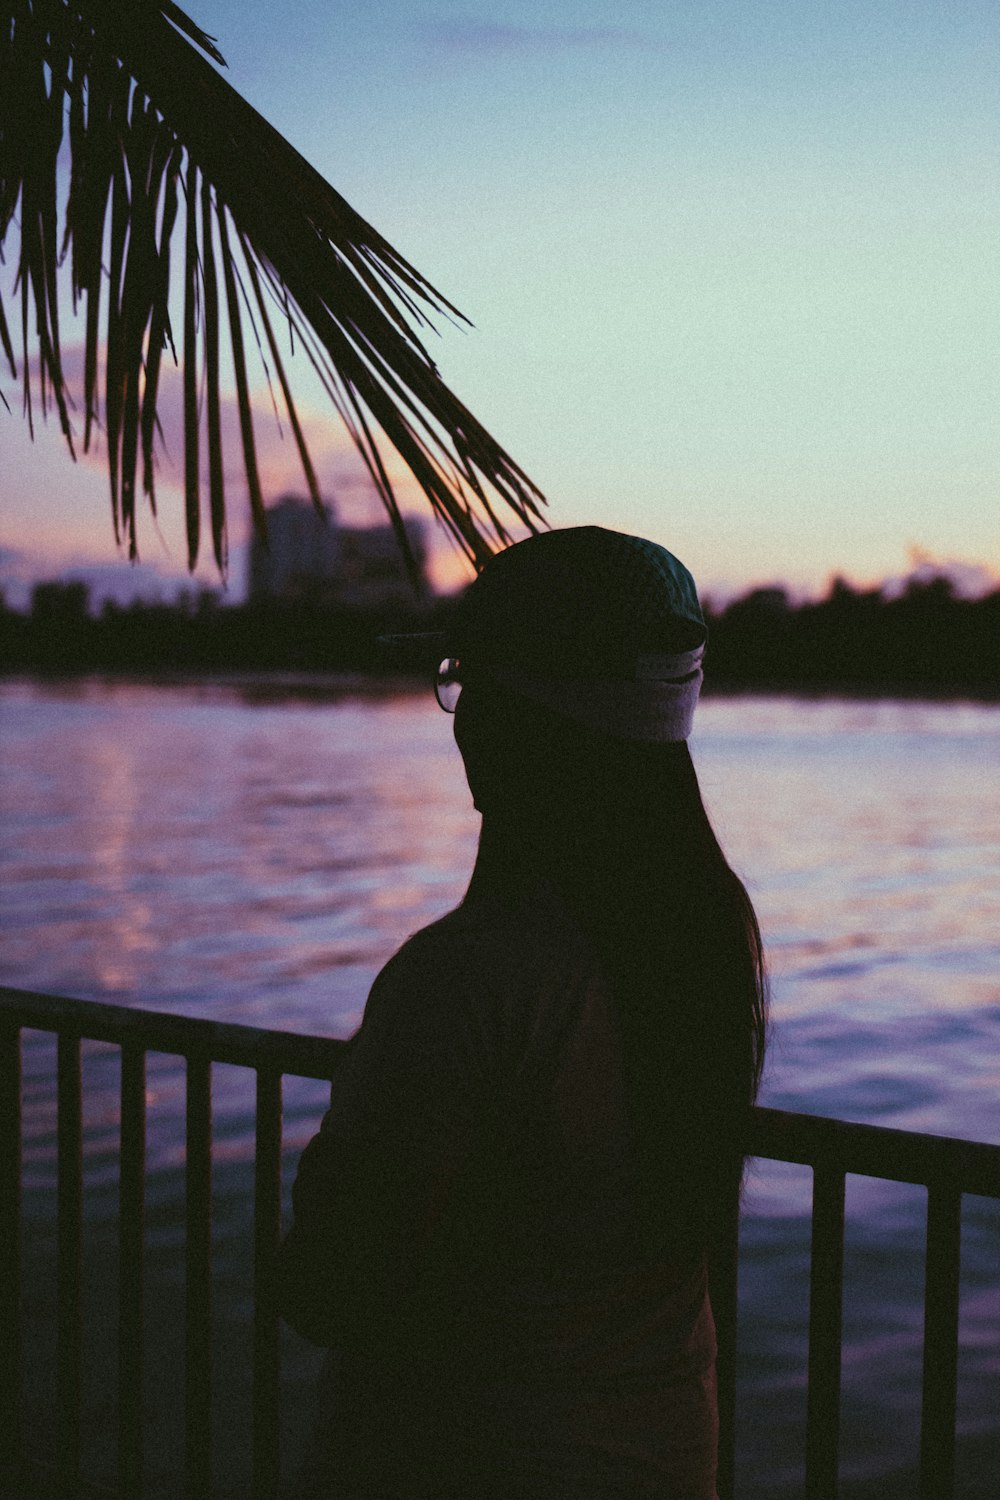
<point x="925" y="643"/>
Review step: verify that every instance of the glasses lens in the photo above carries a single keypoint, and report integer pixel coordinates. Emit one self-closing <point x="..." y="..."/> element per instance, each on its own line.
<point x="447" y="685"/>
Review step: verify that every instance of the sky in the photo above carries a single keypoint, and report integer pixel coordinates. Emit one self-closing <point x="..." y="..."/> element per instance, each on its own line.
<point x="732" y="270"/>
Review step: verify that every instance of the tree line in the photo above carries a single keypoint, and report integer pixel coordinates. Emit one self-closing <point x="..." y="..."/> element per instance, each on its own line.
<point x="924" y="640"/>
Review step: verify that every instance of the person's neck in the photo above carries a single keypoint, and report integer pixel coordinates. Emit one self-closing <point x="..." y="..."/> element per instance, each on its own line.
<point x="502" y="865"/>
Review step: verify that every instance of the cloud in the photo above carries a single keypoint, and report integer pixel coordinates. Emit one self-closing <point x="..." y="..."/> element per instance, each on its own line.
<point x="341" y="474"/>
<point x="125" y="582"/>
<point x="470" y="36"/>
<point x="18" y="571"/>
<point x="970" y="579"/>
<point x="56" y="516"/>
<point x="21" y="568"/>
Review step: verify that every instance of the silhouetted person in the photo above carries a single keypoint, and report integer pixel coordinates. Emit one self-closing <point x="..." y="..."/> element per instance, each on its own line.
<point x="501" y="1228"/>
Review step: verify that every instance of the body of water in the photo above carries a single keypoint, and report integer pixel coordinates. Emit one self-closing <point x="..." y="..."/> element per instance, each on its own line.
<point x="255" y="852"/>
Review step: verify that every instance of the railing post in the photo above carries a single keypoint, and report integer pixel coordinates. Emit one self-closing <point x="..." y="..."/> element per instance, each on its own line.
<point x="267" y="1234"/>
<point x="825" y="1312"/>
<point x="130" y="1260"/>
<point x="937" y="1422"/>
<point x="69" y="1210"/>
<point x="10" y="1243"/>
<point x="198" y="1319"/>
<point x="724" y="1290"/>
<point x="829" y="1146"/>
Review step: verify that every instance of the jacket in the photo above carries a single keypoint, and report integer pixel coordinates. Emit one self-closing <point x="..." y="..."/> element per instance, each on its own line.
<point x="466" y="1242"/>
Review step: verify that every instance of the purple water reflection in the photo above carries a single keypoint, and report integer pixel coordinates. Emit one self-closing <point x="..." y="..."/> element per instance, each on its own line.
<point x="194" y="849"/>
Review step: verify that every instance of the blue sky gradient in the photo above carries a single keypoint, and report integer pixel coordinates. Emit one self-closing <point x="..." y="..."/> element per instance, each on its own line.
<point x="733" y="269"/>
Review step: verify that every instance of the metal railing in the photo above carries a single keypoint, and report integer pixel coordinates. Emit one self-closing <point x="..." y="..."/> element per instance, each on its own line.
<point x="832" y="1148"/>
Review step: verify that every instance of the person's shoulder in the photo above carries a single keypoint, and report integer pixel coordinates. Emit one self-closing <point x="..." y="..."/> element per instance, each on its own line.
<point x="490" y="980"/>
<point x="459" y="946"/>
<point x="434" y="990"/>
<point x="488" y="945"/>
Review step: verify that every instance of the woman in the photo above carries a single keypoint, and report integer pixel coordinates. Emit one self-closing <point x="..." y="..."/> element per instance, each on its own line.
<point x="501" y="1229"/>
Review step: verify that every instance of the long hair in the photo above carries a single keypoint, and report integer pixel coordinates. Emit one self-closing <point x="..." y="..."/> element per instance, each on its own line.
<point x="621" y="831"/>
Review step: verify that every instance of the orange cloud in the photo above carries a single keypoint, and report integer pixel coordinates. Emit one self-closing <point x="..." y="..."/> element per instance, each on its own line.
<point x="59" y="512"/>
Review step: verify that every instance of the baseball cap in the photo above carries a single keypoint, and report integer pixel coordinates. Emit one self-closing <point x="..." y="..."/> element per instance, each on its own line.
<point x="602" y="627"/>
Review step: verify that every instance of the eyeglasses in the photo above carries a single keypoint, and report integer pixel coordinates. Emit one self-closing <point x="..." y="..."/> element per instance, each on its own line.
<point x="448" y="684"/>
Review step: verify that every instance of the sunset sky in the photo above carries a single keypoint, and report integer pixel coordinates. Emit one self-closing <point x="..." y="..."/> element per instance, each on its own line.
<point x="732" y="267"/>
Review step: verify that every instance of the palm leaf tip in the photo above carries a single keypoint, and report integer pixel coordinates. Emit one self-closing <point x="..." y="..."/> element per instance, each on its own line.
<point x="192" y="31"/>
<point x="152" y="126"/>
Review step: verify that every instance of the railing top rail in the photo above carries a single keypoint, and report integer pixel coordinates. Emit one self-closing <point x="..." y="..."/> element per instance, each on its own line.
<point x="813" y="1140"/>
<point x="159" y="1031"/>
<point x="875" y="1150"/>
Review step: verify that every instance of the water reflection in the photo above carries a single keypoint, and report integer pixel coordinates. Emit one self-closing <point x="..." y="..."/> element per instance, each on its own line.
<point x="256" y="857"/>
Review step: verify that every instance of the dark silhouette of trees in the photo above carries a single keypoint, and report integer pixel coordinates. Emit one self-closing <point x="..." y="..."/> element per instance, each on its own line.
<point x="926" y="641"/>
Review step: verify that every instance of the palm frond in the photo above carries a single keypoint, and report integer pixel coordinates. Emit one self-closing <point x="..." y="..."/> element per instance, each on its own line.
<point x="125" y="93"/>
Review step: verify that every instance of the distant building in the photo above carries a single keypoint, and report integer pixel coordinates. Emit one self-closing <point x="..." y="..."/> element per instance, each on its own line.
<point x="354" y="567"/>
<point x="300" y="554"/>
